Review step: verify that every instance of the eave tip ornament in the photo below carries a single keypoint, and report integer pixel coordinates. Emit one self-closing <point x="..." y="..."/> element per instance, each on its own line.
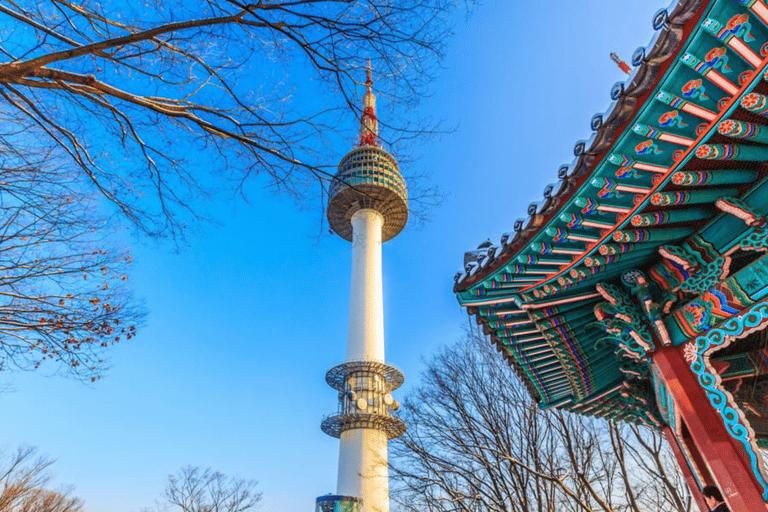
<point x="622" y="65"/>
<point x="369" y="126"/>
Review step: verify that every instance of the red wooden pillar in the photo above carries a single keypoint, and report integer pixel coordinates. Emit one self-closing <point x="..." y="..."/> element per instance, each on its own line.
<point x="685" y="467"/>
<point x="724" y="456"/>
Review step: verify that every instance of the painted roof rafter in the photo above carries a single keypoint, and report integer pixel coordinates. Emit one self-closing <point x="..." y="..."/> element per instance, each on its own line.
<point x="684" y="141"/>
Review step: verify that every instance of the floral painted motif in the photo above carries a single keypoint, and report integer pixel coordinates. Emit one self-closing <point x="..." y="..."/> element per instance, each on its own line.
<point x="689" y="352"/>
<point x="690" y="178"/>
<point x="698" y="314"/>
<point x="717" y="152"/>
<point x="668" y="198"/>
<point x="647" y="147"/>
<point x="713" y="152"/>
<point x="703" y="151"/>
<point x="627" y="172"/>
<point x="717" y="58"/>
<point x="649" y="219"/>
<point x="672" y="118"/>
<point x="726" y="126"/>
<point x="740" y="27"/>
<point x="755" y="103"/>
<point x="694" y="89"/>
<point x="750" y="100"/>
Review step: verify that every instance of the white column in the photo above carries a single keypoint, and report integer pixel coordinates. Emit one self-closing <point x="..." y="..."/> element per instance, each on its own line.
<point x="363" y="468"/>
<point x="363" y="452"/>
<point x="365" y="332"/>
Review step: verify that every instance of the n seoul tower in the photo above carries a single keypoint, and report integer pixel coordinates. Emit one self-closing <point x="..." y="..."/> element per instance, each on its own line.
<point x="368" y="205"/>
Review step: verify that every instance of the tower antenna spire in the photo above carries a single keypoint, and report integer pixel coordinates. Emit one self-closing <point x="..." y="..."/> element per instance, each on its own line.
<point x="369" y="126"/>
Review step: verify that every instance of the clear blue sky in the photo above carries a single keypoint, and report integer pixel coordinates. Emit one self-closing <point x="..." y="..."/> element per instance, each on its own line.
<point x="229" y="370"/>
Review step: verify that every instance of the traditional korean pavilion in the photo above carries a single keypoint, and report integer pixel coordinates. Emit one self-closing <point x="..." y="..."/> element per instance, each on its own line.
<point x="638" y="289"/>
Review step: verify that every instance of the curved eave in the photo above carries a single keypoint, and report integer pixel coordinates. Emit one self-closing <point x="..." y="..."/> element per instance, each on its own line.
<point x="629" y="97"/>
<point x="642" y="161"/>
<point x="533" y="293"/>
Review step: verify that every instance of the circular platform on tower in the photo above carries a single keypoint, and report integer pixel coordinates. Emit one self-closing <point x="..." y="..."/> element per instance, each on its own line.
<point x="368" y="177"/>
<point x="338" y="375"/>
<point x="336" y="424"/>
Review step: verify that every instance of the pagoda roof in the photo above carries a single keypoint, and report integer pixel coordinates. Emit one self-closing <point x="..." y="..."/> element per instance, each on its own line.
<point x="649" y="175"/>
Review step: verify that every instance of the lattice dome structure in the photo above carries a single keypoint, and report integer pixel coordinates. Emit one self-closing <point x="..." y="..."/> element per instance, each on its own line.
<point x="368" y="177"/>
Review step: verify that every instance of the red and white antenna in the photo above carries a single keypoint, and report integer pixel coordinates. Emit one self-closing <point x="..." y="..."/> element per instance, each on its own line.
<point x="369" y="127"/>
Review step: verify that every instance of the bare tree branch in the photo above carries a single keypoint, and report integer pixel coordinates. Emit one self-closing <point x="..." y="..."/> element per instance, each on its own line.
<point x="23" y="478"/>
<point x="477" y="442"/>
<point x="160" y="104"/>
<point x="63" y="295"/>
<point x="195" y="489"/>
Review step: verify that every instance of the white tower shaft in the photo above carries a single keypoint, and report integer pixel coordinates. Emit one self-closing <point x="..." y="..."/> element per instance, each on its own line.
<point x="367" y="205"/>
<point x="363" y="451"/>
<point x="363" y="467"/>
<point x="365" y="332"/>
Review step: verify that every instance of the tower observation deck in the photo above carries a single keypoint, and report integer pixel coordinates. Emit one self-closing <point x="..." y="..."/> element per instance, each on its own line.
<point x="368" y="205"/>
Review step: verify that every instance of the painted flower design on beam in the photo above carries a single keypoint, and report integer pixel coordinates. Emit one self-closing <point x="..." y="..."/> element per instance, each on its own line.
<point x="668" y="198"/>
<point x="627" y="172"/>
<point x="690" y="352"/>
<point x="726" y="127"/>
<point x="703" y="151"/>
<point x="740" y="27"/>
<point x="716" y="152"/>
<point x="672" y="118"/>
<point x="694" y="89"/>
<point x="750" y="100"/>
<point x="717" y="58"/>
<point x="647" y="147"/>
<point x="699" y="315"/>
